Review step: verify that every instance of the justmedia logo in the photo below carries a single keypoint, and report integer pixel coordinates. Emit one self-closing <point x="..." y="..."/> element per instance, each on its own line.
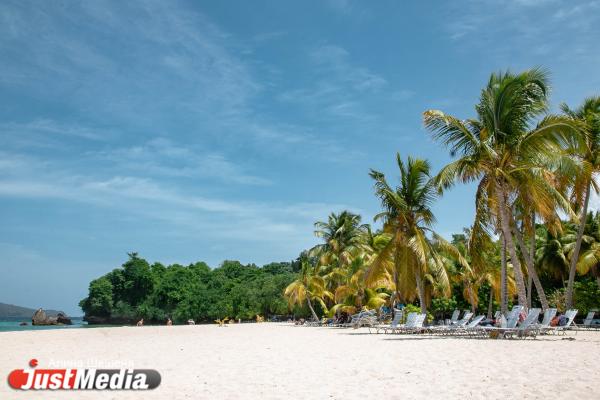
<point x="82" y="379"/>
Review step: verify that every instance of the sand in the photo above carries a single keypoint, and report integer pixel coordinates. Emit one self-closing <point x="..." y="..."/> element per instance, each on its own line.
<point x="282" y="361"/>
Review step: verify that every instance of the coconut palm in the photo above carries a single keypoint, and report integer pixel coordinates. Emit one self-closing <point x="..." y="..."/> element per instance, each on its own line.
<point x="551" y="257"/>
<point x="588" y="114"/>
<point x="342" y="234"/>
<point x="409" y="258"/>
<point x="588" y="261"/>
<point x="308" y="287"/>
<point x="507" y="154"/>
<point x="352" y="295"/>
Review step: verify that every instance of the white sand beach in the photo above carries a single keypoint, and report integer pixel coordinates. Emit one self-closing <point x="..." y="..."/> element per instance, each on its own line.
<point x="281" y="361"/>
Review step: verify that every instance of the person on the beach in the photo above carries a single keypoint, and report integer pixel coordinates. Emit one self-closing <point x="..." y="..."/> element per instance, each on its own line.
<point x="140" y="322"/>
<point x="169" y="322"/>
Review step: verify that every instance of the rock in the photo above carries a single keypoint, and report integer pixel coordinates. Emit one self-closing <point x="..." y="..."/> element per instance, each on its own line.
<point x="62" y="318"/>
<point x="23" y="324"/>
<point x="40" y="318"/>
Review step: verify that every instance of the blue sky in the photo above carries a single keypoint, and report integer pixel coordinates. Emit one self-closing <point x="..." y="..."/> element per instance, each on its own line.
<point x="197" y="130"/>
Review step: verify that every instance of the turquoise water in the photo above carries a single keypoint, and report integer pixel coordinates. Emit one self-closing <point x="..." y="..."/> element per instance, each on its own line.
<point x="12" y="324"/>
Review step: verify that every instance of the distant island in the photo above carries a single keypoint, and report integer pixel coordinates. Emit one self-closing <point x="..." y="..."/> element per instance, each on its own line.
<point x="12" y="311"/>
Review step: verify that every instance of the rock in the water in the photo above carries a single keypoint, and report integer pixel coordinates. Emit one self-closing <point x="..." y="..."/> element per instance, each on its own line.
<point x="40" y="318"/>
<point x="63" y="319"/>
<point x="23" y="324"/>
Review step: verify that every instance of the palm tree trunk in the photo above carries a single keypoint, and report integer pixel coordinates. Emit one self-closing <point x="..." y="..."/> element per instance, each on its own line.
<point x="472" y="299"/>
<point x="575" y="256"/>
<point x="504" y="217"/>
<point x="491" y="304"/>
<point x="529" y="290"/>
<point x="312" y="310"/>
<point x="532" y="257"/>
<point x="421" y="289"/>
<point x="503" y="279"/>
<point x="531" y="272"/>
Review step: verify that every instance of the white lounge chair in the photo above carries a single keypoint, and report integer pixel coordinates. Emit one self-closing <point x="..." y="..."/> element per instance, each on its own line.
<point x="588" y="321"/>
<point x="414" y="324"/>
<point x="506" y="323"/>
<point x="454" y="318"/>
<point x="556" y="330"/>
<point x="394" y="324"/>
<point x="444" y="329"/>
<point x="527" y="328"/>
<point x="470" y="329"/>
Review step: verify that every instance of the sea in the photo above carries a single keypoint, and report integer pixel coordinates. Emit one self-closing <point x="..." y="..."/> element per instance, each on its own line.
<point x="13" y="324"/>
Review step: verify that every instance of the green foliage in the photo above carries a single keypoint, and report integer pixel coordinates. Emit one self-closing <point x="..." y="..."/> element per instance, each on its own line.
<point x="442" y="307"/>
<point x="586" y="297"/>
<point x="156" y="292"/>
<point x="409" y="308"/>
<point x="100" y="299"/>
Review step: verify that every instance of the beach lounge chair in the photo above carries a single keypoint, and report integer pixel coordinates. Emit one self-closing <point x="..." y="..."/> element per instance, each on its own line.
<point x="384" y="327"/>
<point x="363" y="318"/>
<point x="588" y="319"/>
<point x="414" y="324"/>
<point x="506" y="323"/>
<point x="588" y="322"/>
<point x="447" y="329"/>
<point x="549" y="314"/>
<point x="562" y="330"/>
<point x="527" y="328"/>
<point x="454" y="318"/>
<point x="470" y="329"/>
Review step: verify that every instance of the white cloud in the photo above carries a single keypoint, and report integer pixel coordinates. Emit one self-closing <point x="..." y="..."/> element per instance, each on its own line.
<point x="162" y="157"/>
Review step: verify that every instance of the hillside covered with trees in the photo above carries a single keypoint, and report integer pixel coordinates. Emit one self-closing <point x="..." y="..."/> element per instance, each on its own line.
<point x="156" y="292"/>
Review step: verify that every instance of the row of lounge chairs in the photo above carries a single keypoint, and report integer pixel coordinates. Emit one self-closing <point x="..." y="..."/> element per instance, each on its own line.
<point x="467" y="326"/>
<point x="470" y="327"/>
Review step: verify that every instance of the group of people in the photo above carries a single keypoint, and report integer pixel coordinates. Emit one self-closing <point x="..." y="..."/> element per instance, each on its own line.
<point x="141" y="322"/>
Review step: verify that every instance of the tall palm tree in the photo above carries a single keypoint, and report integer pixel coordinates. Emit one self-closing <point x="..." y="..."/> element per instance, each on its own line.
<point x="406" y="259"/>
<point x="343" y="241"/>
<point x="506" y="153"/>
<point x="342" y="234"/>
<point x="308" y="287"/>
<point x="588" y="114"/>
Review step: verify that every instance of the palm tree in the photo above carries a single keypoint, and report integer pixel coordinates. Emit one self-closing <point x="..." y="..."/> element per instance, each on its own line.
<point x="507" y="155"/>
<point x="309" y="286"/>
<point x="352" y="295"/>
<point x="343" y="236"/>
<point x="552" y="254"/>
<point x="588" y="114"/>
<point x="588" y="261"/>
<point x="406" y="259"/>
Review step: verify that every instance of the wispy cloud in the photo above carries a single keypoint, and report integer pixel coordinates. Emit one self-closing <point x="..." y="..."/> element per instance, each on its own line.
<point x="182" y="207"/>
<point x="162" y="157"/>
<point x="340" y="86"/>
<point x="540" y="26"/>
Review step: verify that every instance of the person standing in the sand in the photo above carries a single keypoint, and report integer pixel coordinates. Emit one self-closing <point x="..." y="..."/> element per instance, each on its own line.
<point x="169" y="322"/>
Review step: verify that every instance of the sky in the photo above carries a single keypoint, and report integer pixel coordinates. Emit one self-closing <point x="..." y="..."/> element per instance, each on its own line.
<point x="203" y="130"/>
